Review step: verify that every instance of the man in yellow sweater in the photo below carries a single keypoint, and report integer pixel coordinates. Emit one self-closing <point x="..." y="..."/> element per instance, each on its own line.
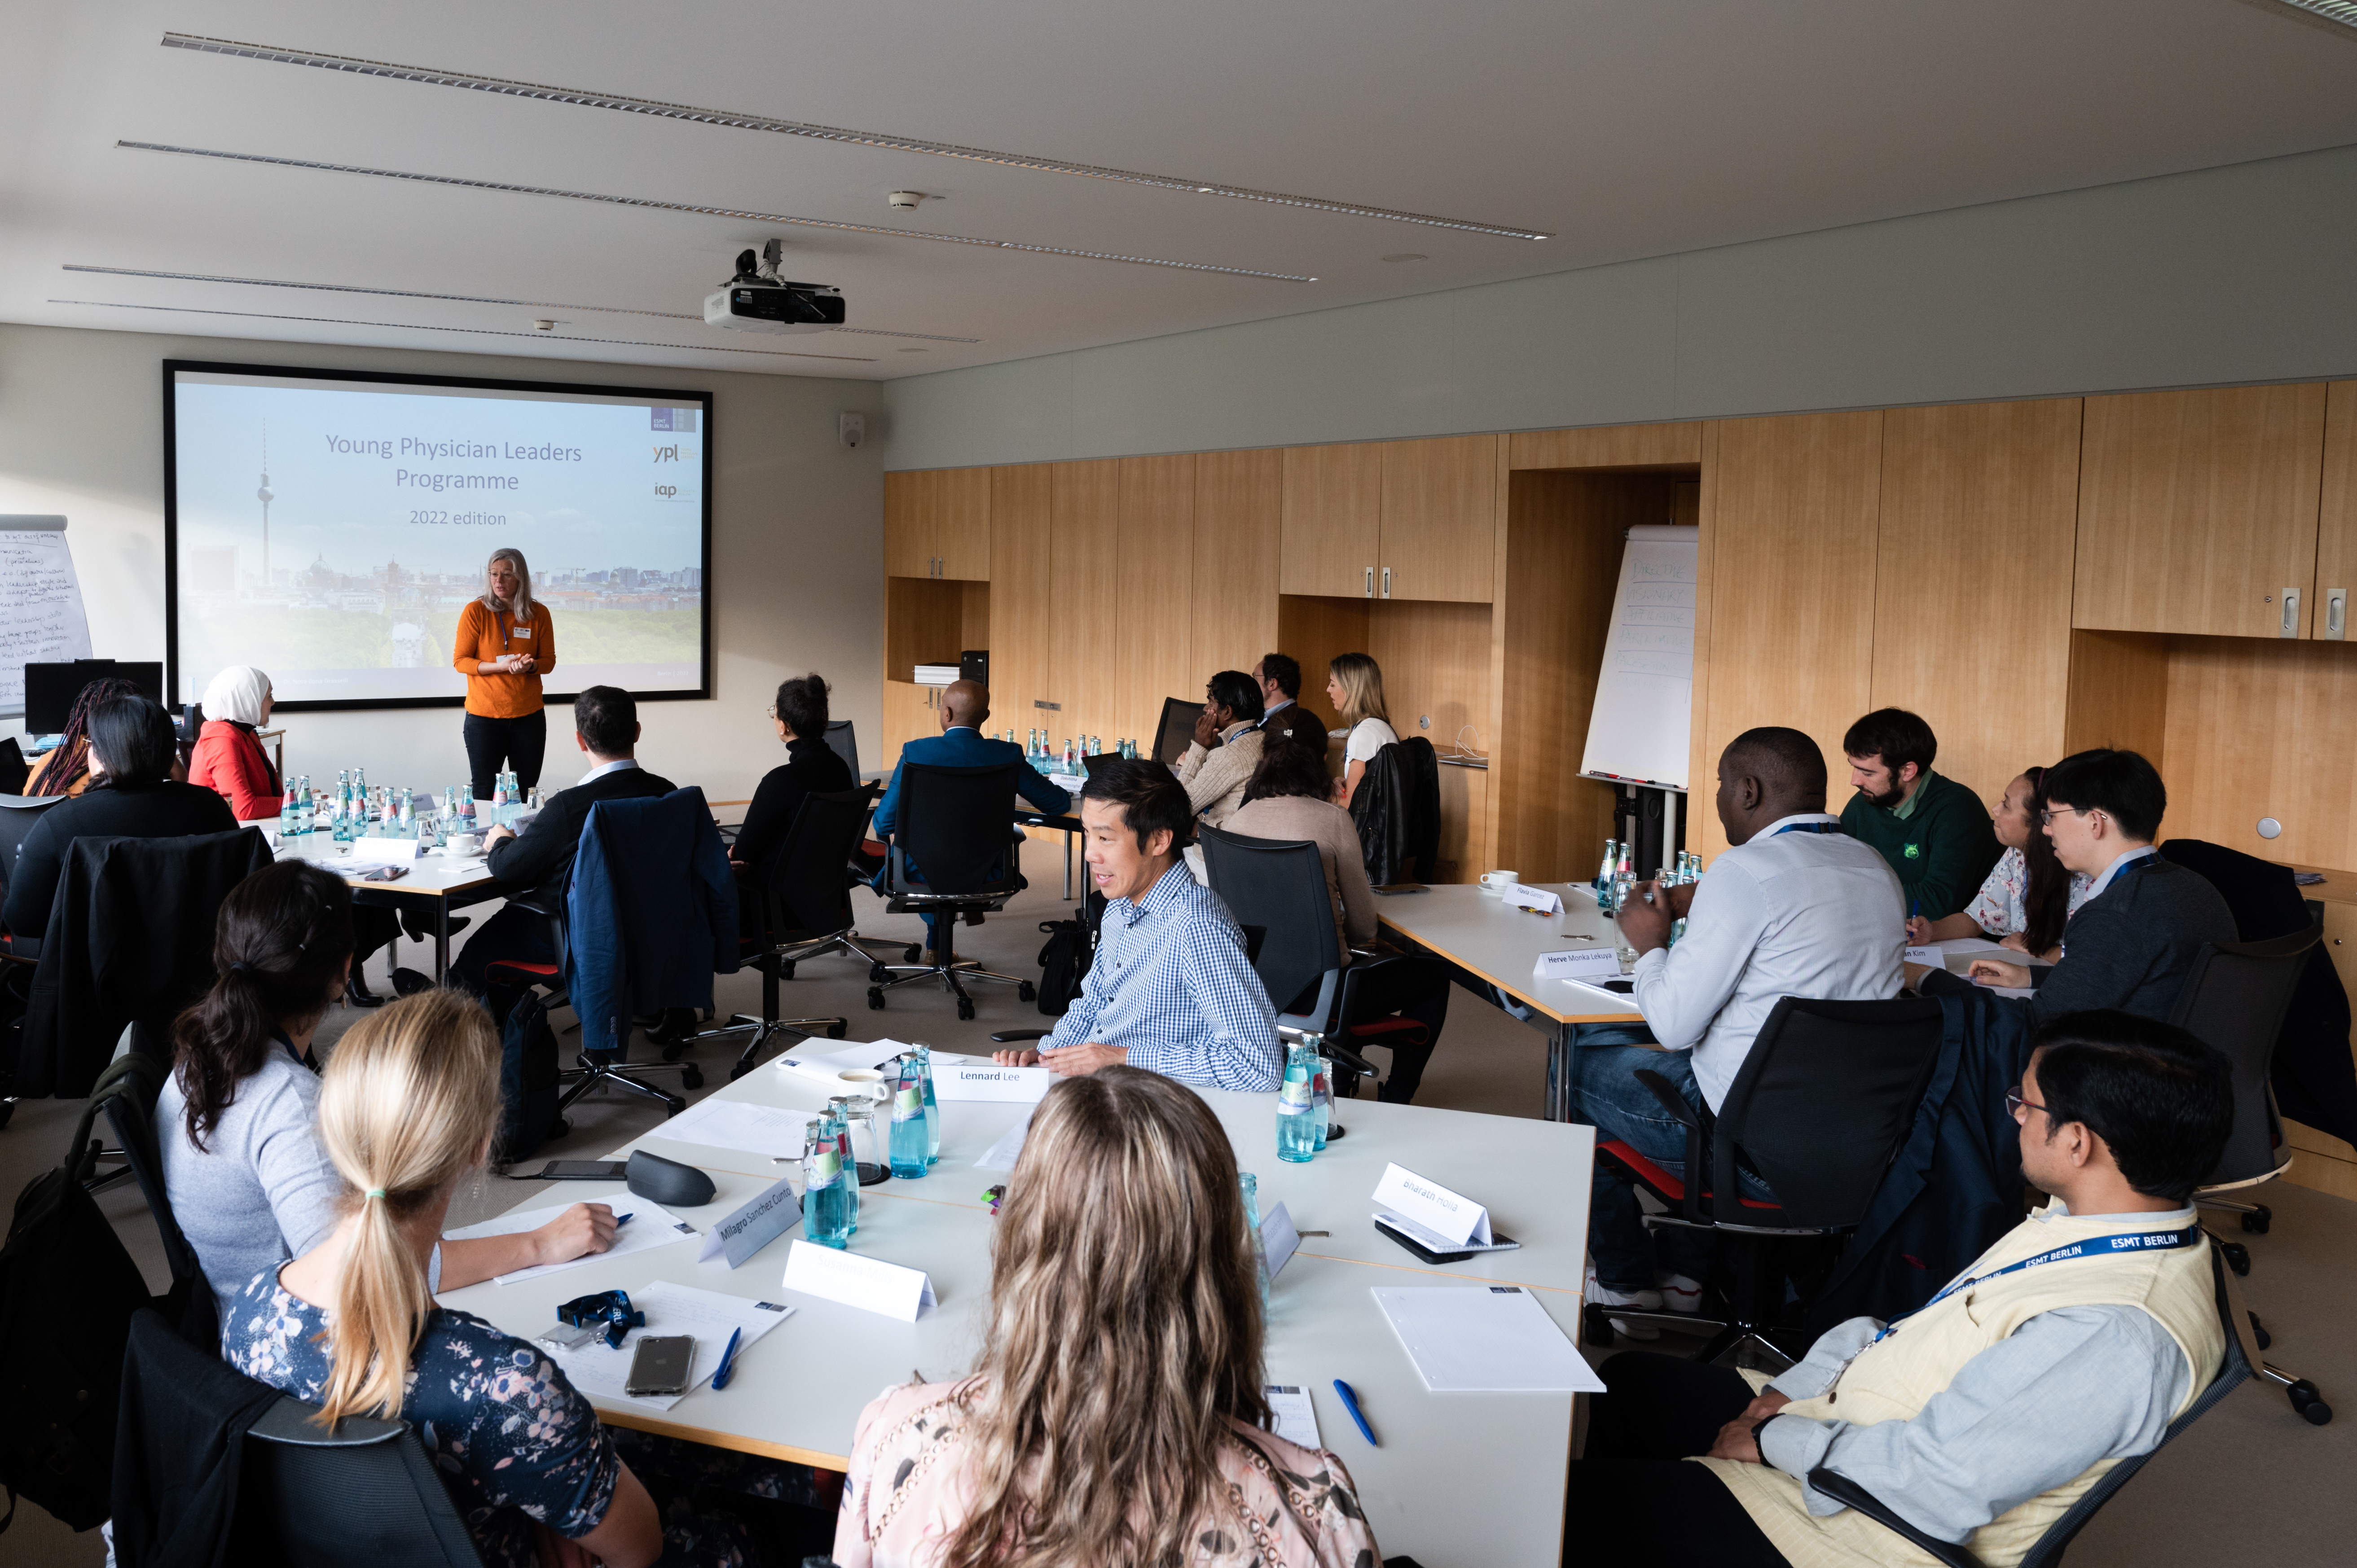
<point x="2067" y="1347"/>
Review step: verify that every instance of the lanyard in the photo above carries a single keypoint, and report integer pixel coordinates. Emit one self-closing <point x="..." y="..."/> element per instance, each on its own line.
<point x="2094" y="1246"/>
<point x="1806" y="828"/>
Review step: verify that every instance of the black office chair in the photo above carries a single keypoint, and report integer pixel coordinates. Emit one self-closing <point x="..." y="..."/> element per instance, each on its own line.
<point x="18" y="813"/>
<point x="953" y="829"/>
<point x="2240" y="1355"/>
<point x="844" y="741"/>
<point x="805" y="911"/>
<point x="1176" y="732"/>
<point x="1819" y="1109"/>
<point x="13" y="769"/>
<point x="2234" y="1001"/>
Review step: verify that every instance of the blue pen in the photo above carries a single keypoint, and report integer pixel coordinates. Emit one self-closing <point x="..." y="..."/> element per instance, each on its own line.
<point x="622" y="1220"/>
<point x="1350" y="1403"/>
<point x="727" y="1360"/>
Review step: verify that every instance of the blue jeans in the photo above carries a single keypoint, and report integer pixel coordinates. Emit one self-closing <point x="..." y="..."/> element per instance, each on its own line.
<point x="1606" y="1095"/>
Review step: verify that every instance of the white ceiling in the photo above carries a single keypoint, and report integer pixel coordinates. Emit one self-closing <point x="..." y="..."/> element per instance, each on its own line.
<point x="1624" y="128"/>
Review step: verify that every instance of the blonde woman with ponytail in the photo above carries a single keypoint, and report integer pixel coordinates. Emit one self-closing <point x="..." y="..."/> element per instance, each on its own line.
<point x="408" y="1108"/>
<point x="1354" y="685"/>
<point x="1116" y="1418"/>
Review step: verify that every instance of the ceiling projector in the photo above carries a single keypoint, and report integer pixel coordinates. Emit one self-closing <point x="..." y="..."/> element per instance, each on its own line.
<point x="757" y="300"/>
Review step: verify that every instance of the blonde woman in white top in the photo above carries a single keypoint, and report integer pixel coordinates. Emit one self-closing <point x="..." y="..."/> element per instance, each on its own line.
<point x="1354" y="685"/>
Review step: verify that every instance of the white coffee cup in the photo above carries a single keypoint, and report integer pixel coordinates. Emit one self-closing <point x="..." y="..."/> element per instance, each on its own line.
<point x="463" y="844"/>
<point x="1491" y="881"/>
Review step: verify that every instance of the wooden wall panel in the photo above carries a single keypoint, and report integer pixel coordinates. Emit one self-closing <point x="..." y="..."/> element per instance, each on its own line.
<point x="1086" y="620"/>
<point x="1239" y="497"/>
<point x="1155" y="582"/>
<point x="1313" y="629"/>
<point x="1972" y="605"/>
<point x="2118" y="694"/>
<point x="1440" y="519"/>
<point x="1700" y="808"/>
<point x="1609" y="447"/>
<point x="2336" y="523"/>
<point x="1793" y="509"/>
<point x="1436" y="663"/>
<point x="1022" y="598"/>
<point x="2263" y="728"/>
<point x="1332" y="519"/>
<point x="2197" y="509"/>
<point x="959" y="502"/>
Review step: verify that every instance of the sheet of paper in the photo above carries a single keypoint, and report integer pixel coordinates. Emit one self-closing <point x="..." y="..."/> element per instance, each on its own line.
<point x="649" y="1226"/>
<point x="855" y="1280"/>
<point x="768" y="1216"/>
<point x="1296" y="1418"/>
<point x="1278" y="1239"/>
<point x="1521" y="896"/>
<point x="985" y="1080"/>
<point x="601" y="1370"/>
<point x="1451" y="1215"/>
<point x="1000" y="1157"/>
<point x="1580" y="963"/>
<point x="1484" y="1339"/>
<point x="736" y="1125"/>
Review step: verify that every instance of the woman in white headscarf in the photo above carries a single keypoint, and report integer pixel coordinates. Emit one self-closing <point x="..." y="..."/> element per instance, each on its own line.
<point x="229" y="758"/>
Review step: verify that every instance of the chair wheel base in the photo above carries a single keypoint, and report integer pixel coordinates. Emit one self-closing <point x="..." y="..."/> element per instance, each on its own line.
<point x="912" y="953"/>
<point x="2259" y="1331"/>
<point x="1596" y="1325"/>
<point x="739" y="1070"/>
<point x="785" y="969"/>
<point x="879" y="974"/>
<point x="1026" y="992"/>
<point x="693" y="1077"/>
<point x="965" y="1008"/>
<point x="2238" y="1257"/>
<point x="560" y="1128"/>
<point x="2258" y="1220"/>
<point x="876" y="998"/>
<point x="836" y="1030"/>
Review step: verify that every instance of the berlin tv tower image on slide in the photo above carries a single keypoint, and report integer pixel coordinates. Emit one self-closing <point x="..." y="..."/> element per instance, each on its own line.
<point x="262" y="495"/>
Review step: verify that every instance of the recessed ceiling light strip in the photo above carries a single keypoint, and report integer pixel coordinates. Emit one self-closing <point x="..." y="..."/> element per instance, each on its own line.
<point x="742" y="121"/>
<point x="461" y="298"/>
<point x="469" y="331"/>
<point x="743" y="214"/>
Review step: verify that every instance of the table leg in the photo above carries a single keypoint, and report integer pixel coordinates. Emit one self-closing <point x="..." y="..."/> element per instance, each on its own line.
<point x="441" y="942"/>
<point x="1558" y="1072"/>
<point x="1067" y="865"/>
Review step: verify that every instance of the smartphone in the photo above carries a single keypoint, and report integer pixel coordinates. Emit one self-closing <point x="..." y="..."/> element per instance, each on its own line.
<point x="386" y="874"/>
<point x="1395" y="889"/>
<point x="566" y="1336"/>
<point x="660" y="1364"/>
<point x="584" y="1170"/>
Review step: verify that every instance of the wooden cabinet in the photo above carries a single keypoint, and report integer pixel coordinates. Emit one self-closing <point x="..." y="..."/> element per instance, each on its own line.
<point x="2336" y="523"/>
<point x="2198" y="510"/>
<point x="1022" y="598"/>
<point x="937" y="524"/>
<point x="1155" y="573"/>
<point x="1440" y="519"/>
<point x="1331" y="524"/>
<point x="1238" y="499"/>
<point x="1088" y="620"/>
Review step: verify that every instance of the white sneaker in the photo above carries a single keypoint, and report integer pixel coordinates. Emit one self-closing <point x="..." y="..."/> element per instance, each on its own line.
<point x="1680" y="1294"/>
<point x="1602" y="1294"/>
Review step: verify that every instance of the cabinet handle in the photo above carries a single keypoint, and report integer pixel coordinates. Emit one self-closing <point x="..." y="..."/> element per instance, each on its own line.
<point x="1387" y="582"/>
<point x="1371" y="582"/>
<point x="2289" y="626"/>
<point x="2335" y="614"/>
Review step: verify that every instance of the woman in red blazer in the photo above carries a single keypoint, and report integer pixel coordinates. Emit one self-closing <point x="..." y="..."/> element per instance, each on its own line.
<point x="228" y="758"/>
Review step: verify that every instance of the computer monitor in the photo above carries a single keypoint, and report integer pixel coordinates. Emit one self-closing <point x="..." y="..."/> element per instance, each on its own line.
<point x="50" y="689"/>
<point x="1177" y="731"/>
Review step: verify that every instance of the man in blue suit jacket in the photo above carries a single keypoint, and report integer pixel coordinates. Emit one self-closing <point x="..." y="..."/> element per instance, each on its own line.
<point x="966" y="706"/>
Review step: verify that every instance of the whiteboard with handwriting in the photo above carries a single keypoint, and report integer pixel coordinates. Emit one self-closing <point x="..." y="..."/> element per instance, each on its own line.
<point x="1637" y="733"/>
<point x="41" y="618"/>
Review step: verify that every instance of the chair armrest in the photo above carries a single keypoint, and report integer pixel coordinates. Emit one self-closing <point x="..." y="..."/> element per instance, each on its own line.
<point x="1850" y="1494"/>
<point x="1681" y="1112"/>
<point x="1010" y="1036"/>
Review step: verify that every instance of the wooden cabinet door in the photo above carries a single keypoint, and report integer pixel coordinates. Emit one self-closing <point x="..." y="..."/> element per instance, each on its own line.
<point x="1440" y="519"/>
<point x="2336" y="523"/>
<point x="910" y="712"/>
<point x="908" y="525"/>
<point x="1023" y="671"/>
<point x="1238" y="497"/>
<point x="1331" y="524"/>
<point x="2198" y="510"/>
<point x="1154" y="570"/>
<point x="961" y="514"/>
<point x="1087" y="620"/>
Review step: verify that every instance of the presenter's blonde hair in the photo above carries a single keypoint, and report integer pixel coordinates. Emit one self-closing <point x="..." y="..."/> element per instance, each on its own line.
<point x="407" y="1105"/>
<point x="521" y="605"/>
<point x="1362" y="679"/>
<point x="1125" y="1331"/>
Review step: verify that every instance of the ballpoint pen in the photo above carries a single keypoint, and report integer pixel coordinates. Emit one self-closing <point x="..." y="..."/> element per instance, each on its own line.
<point x="727" y="1360"/>
<point x="622" y="1220"/>
<point x="1350" y="1403"/>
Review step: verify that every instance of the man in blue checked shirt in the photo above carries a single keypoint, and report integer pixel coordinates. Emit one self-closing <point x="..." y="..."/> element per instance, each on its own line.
<point x="1171" y="990"/>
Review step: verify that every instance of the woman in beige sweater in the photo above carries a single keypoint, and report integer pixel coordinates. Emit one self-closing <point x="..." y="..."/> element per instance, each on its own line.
<point x="1288" y="800"/>
<point x="1226" y="747"/>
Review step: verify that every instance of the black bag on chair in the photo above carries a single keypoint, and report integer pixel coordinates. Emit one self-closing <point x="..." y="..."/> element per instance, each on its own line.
<point x="528" y="1071"/>
<point x="1064" y="962"/>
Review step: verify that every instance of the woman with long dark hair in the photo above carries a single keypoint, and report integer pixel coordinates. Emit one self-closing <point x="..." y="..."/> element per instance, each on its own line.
<point x="243" y="1164"/>
<point x="66" y="769"/>
<point x="2028" y="897"/>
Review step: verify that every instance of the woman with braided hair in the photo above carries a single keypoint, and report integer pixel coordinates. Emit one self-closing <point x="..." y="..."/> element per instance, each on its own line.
<point x="66" y="769"/>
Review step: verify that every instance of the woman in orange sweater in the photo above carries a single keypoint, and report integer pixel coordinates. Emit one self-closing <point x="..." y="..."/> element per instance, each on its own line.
<point x="506" y="643"/>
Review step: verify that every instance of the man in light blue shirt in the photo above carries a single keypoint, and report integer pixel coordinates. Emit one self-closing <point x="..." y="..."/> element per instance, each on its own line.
<point x="1171" y="989"/>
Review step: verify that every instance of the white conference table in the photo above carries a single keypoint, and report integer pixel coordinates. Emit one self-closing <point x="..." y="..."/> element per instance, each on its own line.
<point x="1459" y="1477"/>
<point x="435" y="884"/>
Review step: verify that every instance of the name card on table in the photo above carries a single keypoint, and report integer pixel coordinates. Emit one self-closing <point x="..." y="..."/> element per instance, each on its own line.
<point x="1590" y="964"/>
<point x="1449" y="1215"/>
<point x="981" y="1080"/>
<point x="1278" y="1239"/>
<point x="1538" y="900"/>
<point x="767" y="1216"/>
<point x="870" y="1284"/>
<point x="383" y="852"/>
<point x="1930" y="957"/>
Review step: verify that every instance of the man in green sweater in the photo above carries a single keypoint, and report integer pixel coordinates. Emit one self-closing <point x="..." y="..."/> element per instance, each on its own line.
<point x="1934" y="832"/>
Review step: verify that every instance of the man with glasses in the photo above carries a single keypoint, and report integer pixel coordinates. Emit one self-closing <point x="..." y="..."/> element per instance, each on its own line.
<point x="1981" y="1417"/>
<point x="2132" y="943"/>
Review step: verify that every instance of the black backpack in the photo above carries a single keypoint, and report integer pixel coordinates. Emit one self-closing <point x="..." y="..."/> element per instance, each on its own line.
<point x="1064" y="962"/>
<point x="528" y="1071"/>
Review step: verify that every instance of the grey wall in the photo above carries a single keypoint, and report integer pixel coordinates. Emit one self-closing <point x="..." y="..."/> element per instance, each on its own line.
<point x="2231" y="275"/>
<point x="797" y="550"/>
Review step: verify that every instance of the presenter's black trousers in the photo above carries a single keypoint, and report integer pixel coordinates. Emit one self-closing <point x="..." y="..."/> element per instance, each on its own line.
<point x="1633" y="1497"/>
<point x="493" y="744"/>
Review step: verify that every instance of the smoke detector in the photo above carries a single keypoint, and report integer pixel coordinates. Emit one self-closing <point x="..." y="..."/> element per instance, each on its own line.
<point x="906" y="200"/>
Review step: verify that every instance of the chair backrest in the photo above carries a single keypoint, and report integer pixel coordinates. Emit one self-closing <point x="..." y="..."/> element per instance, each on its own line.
<point x="13" y="769"/>
<point x="844" y="741"/>
<point x="803" y="882"/>
<point x="955" y="824"/>
<point x="17" y="815"/>
<point x="1823" y="1100"/>
<point x="129" y="1088"/>
<point x="1176" y="730"/>
<point x="2234" y="1001"/>
<point x="309" y="1498"/>
<point x="1281" y="888"/>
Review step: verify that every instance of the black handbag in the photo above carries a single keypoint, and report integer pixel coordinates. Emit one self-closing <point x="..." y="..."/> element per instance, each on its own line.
<point x="529" y="1074"/>
<point x="1064" y="962"/>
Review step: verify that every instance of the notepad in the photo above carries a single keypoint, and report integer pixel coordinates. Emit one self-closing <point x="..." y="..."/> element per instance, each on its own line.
<point x="601" y="1370"/>
<point x="1468" y="1339"/>
<point x="738" y="1124"/>
<point x="1295" y="1418"/>
<point x="649" y="1226"/>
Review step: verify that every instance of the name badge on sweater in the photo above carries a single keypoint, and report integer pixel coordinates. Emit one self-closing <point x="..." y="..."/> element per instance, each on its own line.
<point x="526" y="632"/>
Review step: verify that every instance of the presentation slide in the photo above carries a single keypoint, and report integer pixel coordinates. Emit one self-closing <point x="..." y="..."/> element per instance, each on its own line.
<point x="330" y="533"/>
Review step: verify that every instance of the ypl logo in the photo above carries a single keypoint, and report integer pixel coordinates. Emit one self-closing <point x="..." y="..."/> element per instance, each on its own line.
<point x="667" y="454"/>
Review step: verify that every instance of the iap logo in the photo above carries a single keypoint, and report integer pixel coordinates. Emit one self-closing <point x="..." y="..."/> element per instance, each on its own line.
<point x="681" y="419"/>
